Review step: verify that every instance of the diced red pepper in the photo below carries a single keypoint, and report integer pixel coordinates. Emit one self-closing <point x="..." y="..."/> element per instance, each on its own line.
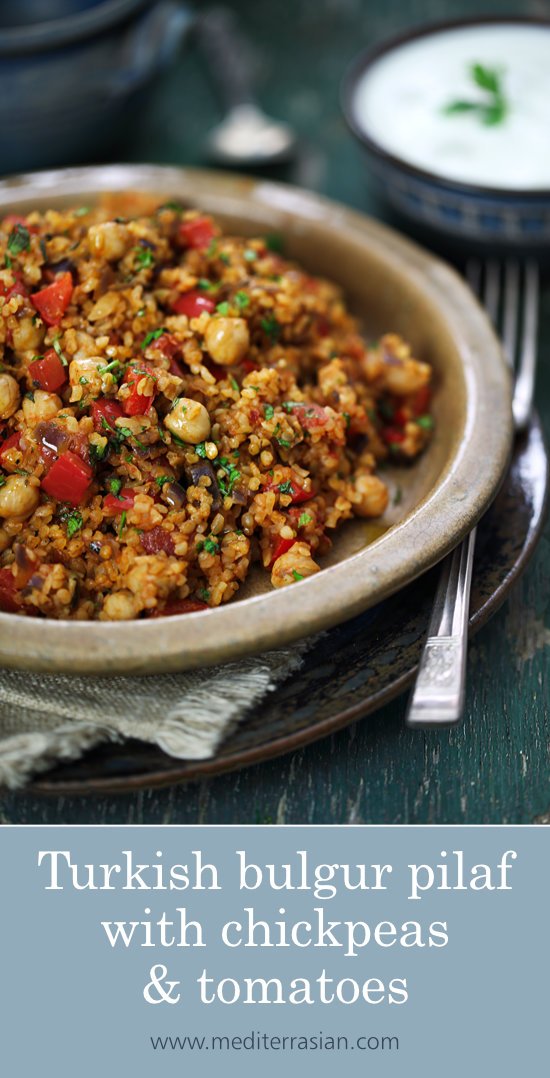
<point x="179" y="606"/>
<point x="297" y="493"/>
<point x="121" y="502"/>
<point x="108" y="410"/>
<point x="8" y="592"/>
<point x="193" y="304"/>
<point x="281" y="547"/>
<point x="421" y="401"/>
<point x="16" y="289"/>
<point x="400" y="417"/>
<point x="68" y="479"/>
<point x="393" y="436"/>
<point x="199" y="232"/>
<point x="157" y="539"/>
<point x="138" y="403"/>
<point x="12" y="442"/>
<point x="48" y="372"/>
<point x="52" y="301"/>
<point x="309" y="416"/>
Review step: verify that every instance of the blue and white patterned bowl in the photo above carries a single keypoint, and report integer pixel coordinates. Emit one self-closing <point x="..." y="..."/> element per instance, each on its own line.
<point x="465" y="212"/>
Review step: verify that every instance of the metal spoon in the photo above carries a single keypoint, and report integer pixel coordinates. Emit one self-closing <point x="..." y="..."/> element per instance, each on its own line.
<point x="247" y="136"/>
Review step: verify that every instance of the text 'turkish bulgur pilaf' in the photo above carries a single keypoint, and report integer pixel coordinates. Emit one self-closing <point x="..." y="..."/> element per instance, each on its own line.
<point x="176" y="403"/>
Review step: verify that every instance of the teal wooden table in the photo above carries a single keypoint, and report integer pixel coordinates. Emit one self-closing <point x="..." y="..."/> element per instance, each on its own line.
<point x="496" y="767"/>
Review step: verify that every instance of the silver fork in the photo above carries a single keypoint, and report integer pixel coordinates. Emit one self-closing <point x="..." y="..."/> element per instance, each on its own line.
<point x="437" y="698"/>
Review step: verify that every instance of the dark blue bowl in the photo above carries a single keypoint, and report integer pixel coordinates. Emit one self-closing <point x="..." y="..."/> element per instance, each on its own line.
<point x="67" y="82"/>
<point x="467" y="213"/>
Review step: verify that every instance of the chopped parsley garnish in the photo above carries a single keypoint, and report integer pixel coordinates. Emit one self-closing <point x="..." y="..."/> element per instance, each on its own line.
<point x="144" y="257"/>
<point x="297" y="575"/>
<point x="212" y="248"/>
<point x="109" y="367"/>
<point x="74" y="523"/>
<point x="83" y="381"/>
<point x="206" y="286"/>
<point x="7" y="262"/>
<point x="490" y="110"/>
<point x="269" y="411"/>
<point x="115" y="486"/>
<point x="234" y="384"/>
<point x="283" y="442"/>
<point x="425" y="421"/>
<point x="204" y="594"/>
<point x="286" y="488"/>
<point x="97" y="452"/>
<point x="200" y="450"/>
<point x="153" y="335"/>
<point x="249" y="255"/>
<point x="242" y="299"/>
<point x="347" y="418"/>
<point x="19" y="239"/>
<point x="223" y="308"/>
<point x="210" y="545"/>
<point x="175" y="206"/>
<point x="160" y="480"/>
<point x="57" y="349"/>
<point x="304" y="520"/>
<point x="81" y="211"/>
<point x="122" y="523"/>
<point x="398" y="496"/>
<point x="141" y="312"/>
<point x="271" y="327"/>
<point x="2" y="480"/>
<point x="231" y="475"/>
<point x="224" y="258"/>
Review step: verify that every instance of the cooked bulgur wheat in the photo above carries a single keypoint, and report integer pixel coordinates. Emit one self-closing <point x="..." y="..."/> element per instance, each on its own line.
<point x="175" y="404"/>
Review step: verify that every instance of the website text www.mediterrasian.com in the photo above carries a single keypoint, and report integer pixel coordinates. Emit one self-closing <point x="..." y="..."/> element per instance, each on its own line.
<point x="256" y="1041"/>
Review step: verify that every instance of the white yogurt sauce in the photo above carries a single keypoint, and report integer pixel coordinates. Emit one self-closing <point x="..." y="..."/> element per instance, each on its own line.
<point x="400" y="100"/>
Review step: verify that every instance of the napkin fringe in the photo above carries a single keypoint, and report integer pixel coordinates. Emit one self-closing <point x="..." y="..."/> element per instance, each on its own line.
<point x="26" y="755"/>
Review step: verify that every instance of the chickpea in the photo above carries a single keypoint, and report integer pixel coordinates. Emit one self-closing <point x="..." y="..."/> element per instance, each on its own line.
<point x="44" y="406"/>
<point x="295" y="565"/>
<point x="9" y="396"/>
<point x="119" y="606"/>
<point x="109" y="240"/>
<point x="19" y="497"/>
<point x="27" y="337"/>
<point x="406" y="377"/>
<point x="227" y="340"/>
<point x="189" y="420"/>
<point x="370" y="496"/>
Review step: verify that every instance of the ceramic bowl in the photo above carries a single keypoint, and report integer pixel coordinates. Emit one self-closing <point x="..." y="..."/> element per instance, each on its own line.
<point x="461" y="211"/>
<point x="390" y="284"/>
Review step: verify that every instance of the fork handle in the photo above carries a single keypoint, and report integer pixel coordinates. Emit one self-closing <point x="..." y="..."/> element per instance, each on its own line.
<point x="438" y="695"/>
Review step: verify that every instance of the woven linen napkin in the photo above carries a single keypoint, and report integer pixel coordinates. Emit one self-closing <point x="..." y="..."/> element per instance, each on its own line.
<point x="47" y="718"/>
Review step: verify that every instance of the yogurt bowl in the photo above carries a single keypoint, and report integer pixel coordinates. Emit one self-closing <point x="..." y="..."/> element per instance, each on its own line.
<point x="454" y="121"/>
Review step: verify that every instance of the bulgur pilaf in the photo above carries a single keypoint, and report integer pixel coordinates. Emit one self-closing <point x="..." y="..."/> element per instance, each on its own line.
<point x="175" y="404"/>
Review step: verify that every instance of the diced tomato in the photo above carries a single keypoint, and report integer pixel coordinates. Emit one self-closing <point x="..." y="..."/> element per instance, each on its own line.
<point x="297" y="493"/>
<point x="119" y="503"/>
<point x="17" y="289"/>
<point x="400" y="417"/>
<point x="421" y="401"/>
<point x="8" y="591"/>
<point x="193" y="304"/>
<point x="281" y="547"/>
<point x="392" y="435"/>
<point x="12" y="442"/>
<point x="167" y="344"/>
<point x="52" y="301"/>
<point x="68" y="479"/>
<point x="309" y="416"/>
<point x="179" y="606"/>
<point x="138" y="403"/>
<point x="48" y="372"/>
<point x="108" y="410"/>
<point x="199" y="232"/>
<point x="157" y="539"/>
